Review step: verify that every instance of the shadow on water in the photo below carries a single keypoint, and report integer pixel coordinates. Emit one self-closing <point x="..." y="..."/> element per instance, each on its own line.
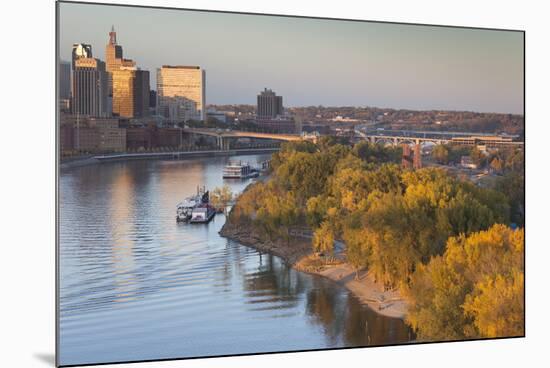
<point x="345" y="320"/>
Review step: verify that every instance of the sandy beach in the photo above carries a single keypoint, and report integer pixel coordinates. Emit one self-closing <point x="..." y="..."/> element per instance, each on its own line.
<point x="298" y="254"/>
<point x="387" y="303"/>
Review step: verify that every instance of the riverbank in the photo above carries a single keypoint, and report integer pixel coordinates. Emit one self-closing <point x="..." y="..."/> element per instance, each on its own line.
<point x="176" y="155"/>
<point x="298" y="254"/>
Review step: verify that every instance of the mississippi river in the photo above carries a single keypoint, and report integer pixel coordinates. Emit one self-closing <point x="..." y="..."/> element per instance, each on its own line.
<point x="136" y="285"/>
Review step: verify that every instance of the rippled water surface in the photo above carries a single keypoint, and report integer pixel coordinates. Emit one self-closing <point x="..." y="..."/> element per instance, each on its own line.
<point x="136" y="285"/>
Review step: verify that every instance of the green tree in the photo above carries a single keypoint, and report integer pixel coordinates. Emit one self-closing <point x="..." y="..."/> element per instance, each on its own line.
<point x="376" y="153"/>
<point x="440" y="153"/>
<point x="277" y="215"/>
<point x="512" y="186"/>
<point x="317" y="209"/>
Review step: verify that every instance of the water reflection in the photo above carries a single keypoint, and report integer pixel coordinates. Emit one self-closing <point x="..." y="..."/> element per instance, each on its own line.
<point x="134" y="284"/>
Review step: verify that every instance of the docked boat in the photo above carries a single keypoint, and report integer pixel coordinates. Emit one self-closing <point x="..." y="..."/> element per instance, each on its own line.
<point x="202" y="214"/>
<point x="184" y="210"/>
<point x="239" y="170"/>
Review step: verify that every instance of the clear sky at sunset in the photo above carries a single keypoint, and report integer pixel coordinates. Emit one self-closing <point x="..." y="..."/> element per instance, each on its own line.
<point x="313" y="61"/>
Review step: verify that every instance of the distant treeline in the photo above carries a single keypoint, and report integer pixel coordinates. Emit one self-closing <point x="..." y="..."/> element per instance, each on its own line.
<point x="444" y="242"/>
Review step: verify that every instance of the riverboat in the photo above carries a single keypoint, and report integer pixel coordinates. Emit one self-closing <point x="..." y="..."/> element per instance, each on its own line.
<point x="202" y="214"/>
<point x="239" y="170"/>
<point x="184" y="209"/>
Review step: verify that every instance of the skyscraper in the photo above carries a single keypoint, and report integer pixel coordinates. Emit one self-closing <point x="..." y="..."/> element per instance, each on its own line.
<point x="90" y="88"/>
<point x="269" y="105"/>
<point x="113" y="54"/>
<point x="181" y="92"/>
<point x="130" y="90"/>
<point x="128" y="85"/>
<point x="64" y="74"/>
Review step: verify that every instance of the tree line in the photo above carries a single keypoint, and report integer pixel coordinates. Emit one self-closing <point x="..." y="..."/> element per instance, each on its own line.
<point x="443" y="241"/>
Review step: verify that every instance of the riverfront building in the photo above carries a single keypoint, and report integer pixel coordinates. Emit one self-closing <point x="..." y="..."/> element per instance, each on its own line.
<point x="153" y="137"/>
<point x="181" y="93"/>
<point x="269" y="105"/>
<point x="93" y="135"/>
<point x="90" y="88"/>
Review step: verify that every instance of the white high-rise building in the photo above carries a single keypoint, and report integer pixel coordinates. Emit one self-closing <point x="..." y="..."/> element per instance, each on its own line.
<point x="181" y="92"/>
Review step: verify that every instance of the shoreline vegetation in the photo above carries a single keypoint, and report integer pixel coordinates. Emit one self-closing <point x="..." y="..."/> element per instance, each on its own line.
<point x="423" y="245"/>
<point x="299" y="255"/>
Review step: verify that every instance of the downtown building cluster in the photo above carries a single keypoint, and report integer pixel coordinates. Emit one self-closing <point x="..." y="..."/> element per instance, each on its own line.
<point x="108" y="106"/>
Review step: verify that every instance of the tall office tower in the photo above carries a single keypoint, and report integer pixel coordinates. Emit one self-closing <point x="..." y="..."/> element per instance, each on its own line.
<point x="64" y="75"/>
<point x="130" y="91"/>
<point x="113" y="54"/>
<point x="90" y="88"/>
<point x="269" y="104"/>
<point x="181" y="92"/>
<point x="80" y="50"/>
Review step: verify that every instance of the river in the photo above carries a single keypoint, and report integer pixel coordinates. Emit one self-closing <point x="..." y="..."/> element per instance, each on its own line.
<point x="136" y="285"/>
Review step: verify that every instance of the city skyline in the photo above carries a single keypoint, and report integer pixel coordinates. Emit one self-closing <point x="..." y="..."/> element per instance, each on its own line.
<point x="359" y="64"/>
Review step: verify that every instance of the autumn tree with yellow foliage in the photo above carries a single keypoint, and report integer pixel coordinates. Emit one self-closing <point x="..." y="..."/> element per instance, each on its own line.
<point x="474" y="290"/>
<point x="441" y="240"/>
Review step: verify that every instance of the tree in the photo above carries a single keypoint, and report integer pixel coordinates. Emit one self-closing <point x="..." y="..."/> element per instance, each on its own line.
<point x="440" y="154"/>
<point x="477" y="157"/>
<point x="475" y="289"/>
<point x="376" y="153"/>
<point x="497" y="305"/>
<point x="317" y="209"/>
<point x="497" y="164"/>
<point x="512" y="185"/>
<point x="357" y="252"/>
<point x="323" y="239"/>
<point x="221" y="197"/>
<point x="305" y="174"/>
<point x="277" y="214"/>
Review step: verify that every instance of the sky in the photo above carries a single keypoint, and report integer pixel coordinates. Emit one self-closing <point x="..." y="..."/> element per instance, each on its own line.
<point x="313" y="61"/>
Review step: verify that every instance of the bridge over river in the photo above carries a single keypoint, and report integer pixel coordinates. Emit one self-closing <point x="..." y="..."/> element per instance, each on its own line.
<point x="388" y="137"/>
<point x="223" y="136"/>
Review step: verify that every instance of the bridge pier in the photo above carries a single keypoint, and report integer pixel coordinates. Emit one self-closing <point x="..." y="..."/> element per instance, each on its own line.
<point x="222" y="143"/>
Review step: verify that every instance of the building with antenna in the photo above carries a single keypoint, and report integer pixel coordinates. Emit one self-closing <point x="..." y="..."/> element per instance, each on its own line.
<point x="128" y="85"/>
<point x="114" y="59"/>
